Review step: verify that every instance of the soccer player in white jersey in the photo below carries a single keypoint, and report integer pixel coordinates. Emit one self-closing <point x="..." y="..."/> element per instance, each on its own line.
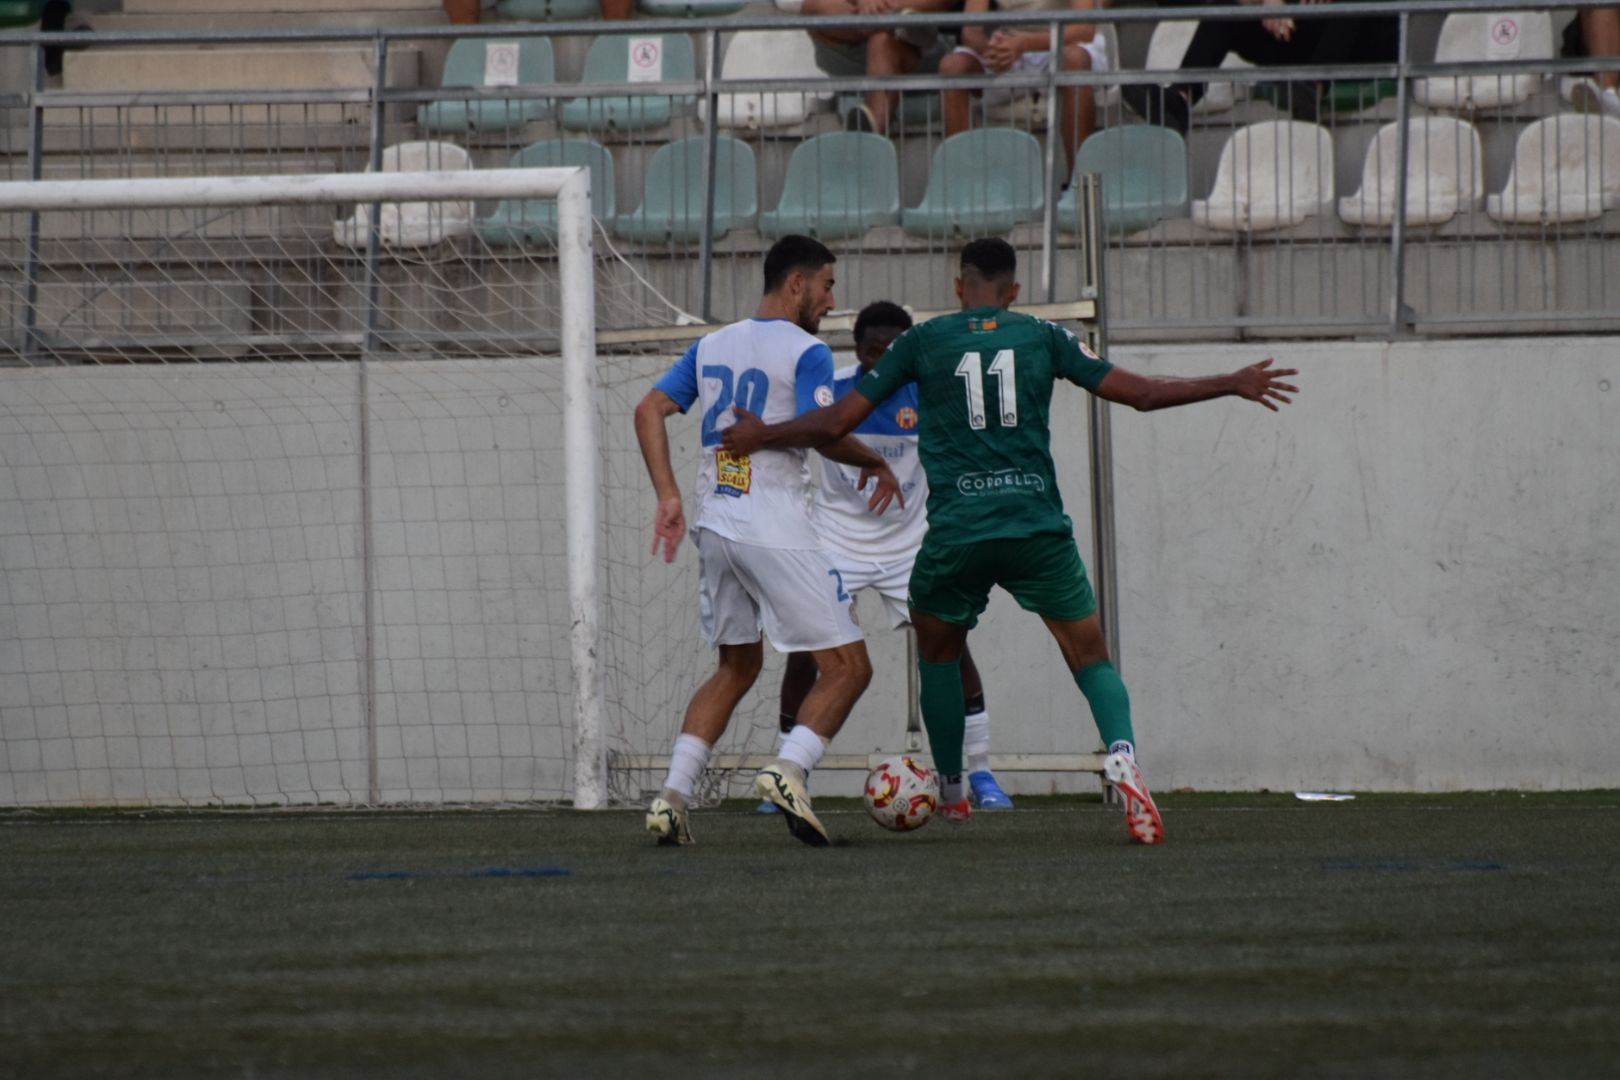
<point x="876" y="551"/>
<point x="759" y="563"/>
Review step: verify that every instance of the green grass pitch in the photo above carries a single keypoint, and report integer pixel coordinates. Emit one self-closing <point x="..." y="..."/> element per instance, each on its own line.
<point x="1441" y="936"/>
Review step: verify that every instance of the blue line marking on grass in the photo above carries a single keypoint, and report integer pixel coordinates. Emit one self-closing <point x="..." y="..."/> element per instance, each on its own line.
<point x="483" y="872"/>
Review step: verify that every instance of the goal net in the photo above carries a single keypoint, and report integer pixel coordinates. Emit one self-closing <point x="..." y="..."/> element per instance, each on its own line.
<point x="317" y="490"/>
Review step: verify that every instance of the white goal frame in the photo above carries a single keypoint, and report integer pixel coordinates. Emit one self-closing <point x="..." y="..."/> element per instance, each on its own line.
<point x="571" y="189"/>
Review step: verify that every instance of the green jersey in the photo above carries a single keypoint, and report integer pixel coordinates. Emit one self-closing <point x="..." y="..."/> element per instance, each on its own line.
<point x="984" y="385"/>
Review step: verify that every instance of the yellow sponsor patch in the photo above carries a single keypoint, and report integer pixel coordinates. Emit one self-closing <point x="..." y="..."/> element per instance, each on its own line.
<point x="733" y="473"/>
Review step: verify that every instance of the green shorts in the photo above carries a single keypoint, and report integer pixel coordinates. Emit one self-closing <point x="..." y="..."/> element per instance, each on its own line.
<point x="1043" y="573"/>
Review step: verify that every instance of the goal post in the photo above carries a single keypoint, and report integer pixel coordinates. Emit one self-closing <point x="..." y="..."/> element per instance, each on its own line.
<point x="45" y="761"/>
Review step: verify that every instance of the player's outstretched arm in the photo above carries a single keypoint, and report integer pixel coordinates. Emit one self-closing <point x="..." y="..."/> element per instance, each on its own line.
<point x="1258" y="382"/>
<point x="669" y="520"/>
<point x="818" y="427"/>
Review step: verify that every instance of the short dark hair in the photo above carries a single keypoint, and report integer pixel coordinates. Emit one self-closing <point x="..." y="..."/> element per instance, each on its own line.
<point x="991" y="258"/>
<point x="881" y="313"/>
<point x="794" y="253"/>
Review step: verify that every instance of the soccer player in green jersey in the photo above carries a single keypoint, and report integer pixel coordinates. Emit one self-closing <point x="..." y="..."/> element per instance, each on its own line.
<point x="984" y="378"/>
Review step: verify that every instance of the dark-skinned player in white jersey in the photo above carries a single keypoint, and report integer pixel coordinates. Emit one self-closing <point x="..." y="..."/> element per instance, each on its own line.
<point x="984" y="378"/>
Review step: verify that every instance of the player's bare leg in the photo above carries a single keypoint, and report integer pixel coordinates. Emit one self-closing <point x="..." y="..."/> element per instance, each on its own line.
<point x="1085" y="650"/>
<point x="940" y="646"/>
<point x="844" y="674"/>
<point x="707" y="715"/>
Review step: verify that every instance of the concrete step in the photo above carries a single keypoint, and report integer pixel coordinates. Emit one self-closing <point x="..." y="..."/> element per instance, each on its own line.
<point x="240" y="21"/>
<point x="210" y="7"/>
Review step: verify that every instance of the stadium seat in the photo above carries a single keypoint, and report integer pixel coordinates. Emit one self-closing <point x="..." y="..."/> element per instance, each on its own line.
<point x="768" y="54"/>
<point x="1565" y="168"/>
<point x="838" y="185"/>
<point x="1498" y="36"/>
<point x="483" y="62"/>
<point x="412" y="224"/>
<point x="980" y="182"/>
<point x="1144" y="177"/>
<point x="1166" y="48"/>
<point x="656" y="58"/>
<point x="1271" y="175"/>
<point x="671" y="209"/>
<point x="689" y="9"/>
<point x="533" y="222"/>
<point x="1444" y="173"/>
<point x="549" y="10"/>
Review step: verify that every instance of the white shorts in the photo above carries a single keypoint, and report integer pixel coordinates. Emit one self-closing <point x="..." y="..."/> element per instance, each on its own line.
<point x="891" y="580"/>
<point x="795" y="596"/>
<point x="1036" y="63"/>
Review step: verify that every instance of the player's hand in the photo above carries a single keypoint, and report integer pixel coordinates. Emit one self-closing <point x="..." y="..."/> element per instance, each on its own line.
<point x="669" y="525"/>
<point x="746" y="435"/>
<point x="1258" y="382"/>
<point x="886" y="490"/>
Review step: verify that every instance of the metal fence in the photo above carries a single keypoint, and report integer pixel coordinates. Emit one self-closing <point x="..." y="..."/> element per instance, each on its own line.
<point x="1341" y="253"/>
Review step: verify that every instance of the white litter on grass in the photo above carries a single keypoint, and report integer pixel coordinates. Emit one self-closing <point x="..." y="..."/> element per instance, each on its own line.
<point x="1322" y="796"/>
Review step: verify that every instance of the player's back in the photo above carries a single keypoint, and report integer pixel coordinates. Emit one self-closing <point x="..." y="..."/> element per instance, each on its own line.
<point x="772" y="368"/>
<point x="984" y="382"/>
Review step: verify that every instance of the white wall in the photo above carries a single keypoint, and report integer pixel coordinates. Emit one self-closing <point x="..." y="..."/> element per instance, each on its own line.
<point x="1408" y="580"/>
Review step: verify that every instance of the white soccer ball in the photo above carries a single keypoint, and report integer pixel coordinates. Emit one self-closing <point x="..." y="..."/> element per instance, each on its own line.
<point x="901" y="793"/>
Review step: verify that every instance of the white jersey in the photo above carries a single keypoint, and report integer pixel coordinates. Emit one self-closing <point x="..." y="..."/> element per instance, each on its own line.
<point x="776" y="370"/>
<point x="847" y="527"/>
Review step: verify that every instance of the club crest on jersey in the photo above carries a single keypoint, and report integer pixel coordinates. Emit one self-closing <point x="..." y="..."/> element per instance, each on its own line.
<point x="824" y="396"/>
<point x="1088" y="350"/>
<point x="733" y="474"/>
<point x="906" y="418"/>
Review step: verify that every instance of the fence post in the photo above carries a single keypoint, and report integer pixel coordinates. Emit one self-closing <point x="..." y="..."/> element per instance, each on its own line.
<point x="711" y="144"/>
<point x="1400" y="316"/>
<point x="31" y="345"/>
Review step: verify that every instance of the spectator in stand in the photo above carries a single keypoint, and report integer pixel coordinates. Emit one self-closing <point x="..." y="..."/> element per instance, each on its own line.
<point x="1027" y="50"/>
<point x="1596" y="32"/>
<point x="618" y="9"/>
<point x="902" y="50"/>
<point x="1269" y="42"/>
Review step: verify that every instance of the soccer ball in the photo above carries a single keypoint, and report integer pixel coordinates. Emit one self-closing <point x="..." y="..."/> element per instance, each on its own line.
<point x="901" y="793"/>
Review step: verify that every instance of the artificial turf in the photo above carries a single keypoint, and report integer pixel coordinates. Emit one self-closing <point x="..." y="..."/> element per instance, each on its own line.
<point x="1441" y="936"/>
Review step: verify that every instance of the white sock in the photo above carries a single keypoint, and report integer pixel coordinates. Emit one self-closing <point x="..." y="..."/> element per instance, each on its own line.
<point x="1122" y="747"/>
<point x="686" y="765"/>
<point x="976" y="741"/>
<point x="781" y="741"/>
<point x="803" y="748"/>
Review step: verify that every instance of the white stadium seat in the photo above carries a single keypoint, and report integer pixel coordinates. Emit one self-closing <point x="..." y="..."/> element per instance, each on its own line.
<point x="1271" y="175"/>
<point x="1565" y="168"/>
<point x="413" y="224"/>
<point x="769" y="54"/>
<point x="1443" y="174"/>
<point x="1492" y="36"/>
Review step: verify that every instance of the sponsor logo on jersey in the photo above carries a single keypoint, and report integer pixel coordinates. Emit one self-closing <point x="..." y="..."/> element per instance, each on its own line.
<point x="906" y="418"/>
<point x="824" y="396"/>
<point x="982" y="326"/>
<point x="733" y="474"/>
<point x="1001" y="480"/>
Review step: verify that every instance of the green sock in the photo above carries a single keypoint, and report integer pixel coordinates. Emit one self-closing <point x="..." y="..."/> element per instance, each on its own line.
<point x="944" y="713"/>
<point x="1110" y="702"/>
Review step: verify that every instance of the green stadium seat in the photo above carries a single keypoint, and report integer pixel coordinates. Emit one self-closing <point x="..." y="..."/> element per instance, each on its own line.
<point x="533" y="222"/>
<point x="470" y="63"/>
<point x="981" y="182"/>
<point x="549" y="10"/>
<point x="838" y="185"/>
<point x="671" y="209"/>
<point x="609" y="60"/>
<point x="688" y="9"/>
<point x="17" y="13"/>
<point x="1144" y="177"/>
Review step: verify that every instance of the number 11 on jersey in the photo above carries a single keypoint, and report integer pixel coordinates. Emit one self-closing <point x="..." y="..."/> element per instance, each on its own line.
<point x="1004" y="368"/>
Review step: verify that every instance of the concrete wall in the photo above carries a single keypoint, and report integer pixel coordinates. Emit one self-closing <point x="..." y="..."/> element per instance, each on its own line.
<point x="1406" y="581"/>
<point x="1409" y="580"/>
